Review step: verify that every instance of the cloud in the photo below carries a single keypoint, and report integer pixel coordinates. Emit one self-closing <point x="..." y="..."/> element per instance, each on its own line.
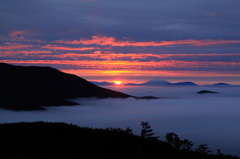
<point x="124" y="19"/>
<point x="211" y="119"/>
<point x="89" y="63"/>
<point x="135" y="57"/>
<point x="11" y="46"/>
<point x="4" y="53"/>
<point x="15" y="33"/>
<point x="98" y="40"/>
<point x="55" y="47"/>
<point x="20" y="35"/>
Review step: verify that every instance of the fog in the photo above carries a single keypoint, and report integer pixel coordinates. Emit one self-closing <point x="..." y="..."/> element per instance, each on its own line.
<point x="212" y="119"/>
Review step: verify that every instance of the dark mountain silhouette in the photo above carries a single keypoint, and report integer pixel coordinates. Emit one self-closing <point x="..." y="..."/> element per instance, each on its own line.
<point x="32" y="87"/>
<point x="183" y="84"/>
<point x="158" y="82"/>
<point x="104" y="83"/>
<point x="148" y="97"/>
<point x="221" y="84"/>
<point x="205" y="91"/>
<point x="155" y="82"/>
<point x="131" y="84"/>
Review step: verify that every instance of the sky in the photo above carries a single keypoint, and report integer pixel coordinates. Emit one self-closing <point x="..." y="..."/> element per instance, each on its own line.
<point x="125" y="40"/>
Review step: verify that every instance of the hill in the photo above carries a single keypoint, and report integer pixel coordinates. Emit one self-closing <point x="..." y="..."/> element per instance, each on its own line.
<point x="155" y="82"/>
<point x="104" y="83"/>
<point x="183" y="84"/>
<point x="221" y="84"/>
<point x="159" y="82"/>
<point x="205" y="91"/>
<point x="41" y="140"/>
<point x="33" y="87"/>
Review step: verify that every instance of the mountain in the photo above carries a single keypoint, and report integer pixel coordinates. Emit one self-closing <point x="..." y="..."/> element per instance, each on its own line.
<point x="155" y="82"/>
<point x="161" y="83"/>
<point x="205" y="91"/>
<point x="183" y="84"/>
<point x="29" y="88"/>
<point x="102" y="83"/>
<point x="221" y="84"/>
<point x="131" y="84"/>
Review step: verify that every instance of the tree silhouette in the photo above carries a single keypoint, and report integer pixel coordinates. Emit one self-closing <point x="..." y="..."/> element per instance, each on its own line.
<point x="128" y="130"/>
<point x="186" y="145"/>
<point x="146" y="131"/>
<point x="175" y="142"/>
<point x="146" y="134"/>
<point x="203" y="148"/>
<point x="219" y="152"/>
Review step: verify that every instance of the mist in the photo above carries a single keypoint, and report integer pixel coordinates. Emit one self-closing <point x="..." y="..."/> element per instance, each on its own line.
<point x="212" y="119"/>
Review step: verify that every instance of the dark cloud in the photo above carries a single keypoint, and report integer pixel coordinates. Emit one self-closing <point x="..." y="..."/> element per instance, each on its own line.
<point x="141" y="20"/>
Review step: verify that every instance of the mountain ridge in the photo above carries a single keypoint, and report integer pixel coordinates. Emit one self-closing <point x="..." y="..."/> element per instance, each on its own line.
<point x="104" y="83"/>
<point x="159" y="82"/>
<point x="221" y="84"/>
<point x="46" y="86"/>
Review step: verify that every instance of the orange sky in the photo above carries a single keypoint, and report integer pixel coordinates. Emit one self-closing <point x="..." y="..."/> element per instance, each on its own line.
<point x="97" y="59"/>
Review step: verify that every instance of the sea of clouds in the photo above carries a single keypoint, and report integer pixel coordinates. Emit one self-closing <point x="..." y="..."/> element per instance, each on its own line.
<point x="212" y="119"/>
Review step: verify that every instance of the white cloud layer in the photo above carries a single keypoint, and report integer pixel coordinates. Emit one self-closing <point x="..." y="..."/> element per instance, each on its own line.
<point x="211" y="119"/>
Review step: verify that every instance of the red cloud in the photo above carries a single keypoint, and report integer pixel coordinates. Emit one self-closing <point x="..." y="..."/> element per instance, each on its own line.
<point x="15" y="33"/>
<point x="99" y="40"/>
<point x="4" y="53"/>
<point x="130" y="57"/>
<point x="11" y="46"/>
<point x="144" y="66"/>
<point x="20" y="36"/>
<point x="54" y="47"/>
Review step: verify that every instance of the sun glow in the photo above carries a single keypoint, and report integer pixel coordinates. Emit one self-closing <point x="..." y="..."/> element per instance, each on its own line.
<point x="117" y="82"/>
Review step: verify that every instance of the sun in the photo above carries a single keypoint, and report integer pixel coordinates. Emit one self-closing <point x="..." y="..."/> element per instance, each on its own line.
<point x="117" y="82"/>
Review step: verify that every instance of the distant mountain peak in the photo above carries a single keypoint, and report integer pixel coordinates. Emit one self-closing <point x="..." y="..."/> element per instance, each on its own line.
<point x="161" y="82"/>
<point x="221" y="84"/>
<point x="104" y="83"/>
<point x="188" y="83"/>
<point x="155" y="82"/>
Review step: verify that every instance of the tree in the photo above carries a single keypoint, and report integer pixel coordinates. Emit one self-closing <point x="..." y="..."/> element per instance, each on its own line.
<point x="186" y="145"/>
<point x="128" y="130"/>
<point x="173" y="140"/>
<point x="177" y="143"/>
<point x="219" y="152"/>
<point x="203" y="148"/>
<point x="146" y="131"/>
